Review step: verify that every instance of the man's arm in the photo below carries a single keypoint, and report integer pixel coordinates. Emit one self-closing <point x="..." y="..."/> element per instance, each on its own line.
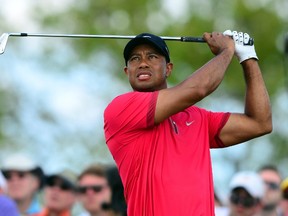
<point x="201" y="83"/>
<point x="256" y="119"/>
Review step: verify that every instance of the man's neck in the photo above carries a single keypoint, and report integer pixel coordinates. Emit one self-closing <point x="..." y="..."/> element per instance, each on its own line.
<point x="23" y="205"/>
<point x="102" y="213"/>
<point x="270" y="212"/>
<point x="59" y="213"/>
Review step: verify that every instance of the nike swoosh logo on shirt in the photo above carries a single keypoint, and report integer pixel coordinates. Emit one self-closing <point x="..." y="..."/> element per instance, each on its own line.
<point x="189" y="123"/>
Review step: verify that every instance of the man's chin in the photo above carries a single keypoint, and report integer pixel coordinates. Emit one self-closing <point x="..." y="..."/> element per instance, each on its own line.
<point x="143" y="88"/>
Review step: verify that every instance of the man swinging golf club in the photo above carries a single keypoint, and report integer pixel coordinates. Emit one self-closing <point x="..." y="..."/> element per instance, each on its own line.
<point x="161" y="141"/>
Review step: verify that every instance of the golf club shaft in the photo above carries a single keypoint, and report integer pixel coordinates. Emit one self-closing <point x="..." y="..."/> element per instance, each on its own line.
<point x="183" y="39"/>
<point x="4" y="37"/>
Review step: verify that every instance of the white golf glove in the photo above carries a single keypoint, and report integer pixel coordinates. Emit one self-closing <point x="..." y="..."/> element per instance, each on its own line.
<point x="243" y="50"/>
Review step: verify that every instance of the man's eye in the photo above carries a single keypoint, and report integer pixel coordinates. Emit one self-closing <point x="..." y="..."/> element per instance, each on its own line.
<point x="134" y="58"/>
<point x="153" y="56"/>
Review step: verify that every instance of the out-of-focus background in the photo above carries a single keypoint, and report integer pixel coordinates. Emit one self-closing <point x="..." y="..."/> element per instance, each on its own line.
<point x="53" y="90"/>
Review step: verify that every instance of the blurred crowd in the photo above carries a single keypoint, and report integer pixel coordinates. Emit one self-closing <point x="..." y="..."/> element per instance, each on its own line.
<point x="263" y="192"/>
<point x="26" y="190"/>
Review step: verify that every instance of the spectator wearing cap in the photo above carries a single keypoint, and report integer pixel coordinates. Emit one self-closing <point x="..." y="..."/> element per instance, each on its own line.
<point x="94" y="192"/>
<point x="24" y="182"/>
<point x="272" y="198"/>
<point x="59" y="194"/>
<point x="246" y="192"/>
<point x="7" y="205"/>
<point x="284" y="202"/>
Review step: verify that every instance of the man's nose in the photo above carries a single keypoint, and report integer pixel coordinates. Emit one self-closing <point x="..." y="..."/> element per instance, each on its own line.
<point x="143" y="63"/>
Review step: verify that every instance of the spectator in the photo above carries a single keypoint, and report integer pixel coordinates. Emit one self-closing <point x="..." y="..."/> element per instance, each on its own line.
<point x="273" y="195"/>
<point x="24" y="181"/>
<point x="94" y="191"/>
<point x="118" y="203"/>
<point x="7" y="205"/>
<point x="59" y="194"/>
<point x="246" y="193"/>
<point x="284" y="202"/>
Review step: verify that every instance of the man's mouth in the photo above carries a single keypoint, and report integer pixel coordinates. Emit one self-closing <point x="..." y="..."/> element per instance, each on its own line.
<point x="144" y="76"/>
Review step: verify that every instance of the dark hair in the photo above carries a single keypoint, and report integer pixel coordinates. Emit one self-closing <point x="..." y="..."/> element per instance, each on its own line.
<point x="118" y="203"/>
<point x="38" y="172"/>
<point x="270" y="167"/>
<point x="96" y="169"/>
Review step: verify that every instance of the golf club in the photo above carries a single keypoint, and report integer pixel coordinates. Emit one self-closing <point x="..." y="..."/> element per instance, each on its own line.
<point x="4" y="37"/>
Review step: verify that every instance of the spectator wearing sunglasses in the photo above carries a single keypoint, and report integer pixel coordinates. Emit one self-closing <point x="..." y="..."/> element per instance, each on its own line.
<point x="272" y="198"/>
<point x="284" y="201"/>
<point x="24" y="181"/>
<point x="94" y="192"/>
<point x="59" y="194"/>
<point x="246" y="193"/>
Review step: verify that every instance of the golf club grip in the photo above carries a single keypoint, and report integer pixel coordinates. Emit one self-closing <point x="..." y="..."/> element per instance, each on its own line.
<point x="193" y="39"/>
<point x="250" y="42"/>
<point x="201" y="40"/>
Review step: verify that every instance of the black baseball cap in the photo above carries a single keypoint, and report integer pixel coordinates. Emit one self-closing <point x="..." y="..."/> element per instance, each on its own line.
<point x="67" y="177"/>
<point x="143" y="38"/>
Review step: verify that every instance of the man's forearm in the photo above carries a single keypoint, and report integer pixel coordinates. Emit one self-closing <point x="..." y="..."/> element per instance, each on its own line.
<point x="257" y="104"/>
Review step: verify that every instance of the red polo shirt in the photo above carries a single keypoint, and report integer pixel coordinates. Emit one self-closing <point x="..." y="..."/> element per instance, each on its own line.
<point x="165" y="168"/>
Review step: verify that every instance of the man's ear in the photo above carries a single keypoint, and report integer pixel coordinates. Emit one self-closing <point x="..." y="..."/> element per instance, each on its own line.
<point x="126" y="70"/>
<point x="169" y="68"/>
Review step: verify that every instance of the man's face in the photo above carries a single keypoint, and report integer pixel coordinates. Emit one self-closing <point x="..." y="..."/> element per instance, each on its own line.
<point x="272" y="182"/>
<point x="58" y="195"/>
<point x="94" y="191"/>
<point x="21" y="185"/>
<point x="243" y="204"/>
<point x="146" y="69"/>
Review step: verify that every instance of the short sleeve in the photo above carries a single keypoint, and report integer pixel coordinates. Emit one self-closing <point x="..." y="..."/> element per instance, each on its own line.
<point x="128" y="112"/>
